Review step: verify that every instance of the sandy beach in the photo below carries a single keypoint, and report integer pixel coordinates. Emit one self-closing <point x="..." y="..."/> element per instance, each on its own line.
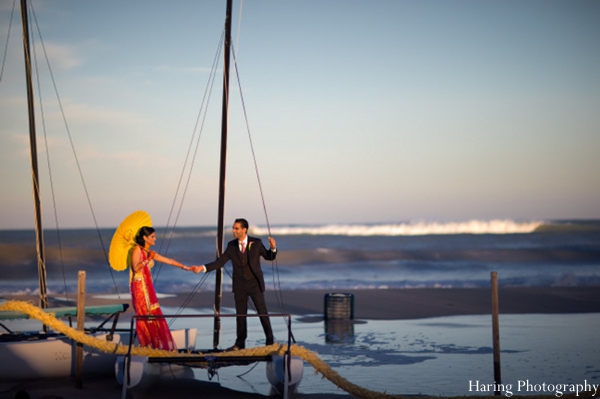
<point x="393" y="304"/>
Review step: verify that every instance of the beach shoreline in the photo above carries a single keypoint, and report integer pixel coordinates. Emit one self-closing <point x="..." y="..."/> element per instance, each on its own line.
<point x="383" y="304"/>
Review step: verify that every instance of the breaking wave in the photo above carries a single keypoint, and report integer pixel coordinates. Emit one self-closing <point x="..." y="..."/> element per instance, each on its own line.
<point x="408" y="229"/>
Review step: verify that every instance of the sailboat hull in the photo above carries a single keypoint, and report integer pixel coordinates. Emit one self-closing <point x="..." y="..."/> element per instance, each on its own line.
<point x="143" y="374"/>
<point x="139" y="374"/>
<point x="277" y="369"/>
<point x="51" y="357"/>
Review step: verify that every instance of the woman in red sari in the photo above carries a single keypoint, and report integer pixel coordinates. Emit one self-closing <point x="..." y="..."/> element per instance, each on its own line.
<point x="153" y="332"/>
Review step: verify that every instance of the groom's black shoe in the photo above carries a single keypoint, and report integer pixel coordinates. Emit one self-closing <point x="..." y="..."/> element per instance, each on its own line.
<point x="234" y="348"/>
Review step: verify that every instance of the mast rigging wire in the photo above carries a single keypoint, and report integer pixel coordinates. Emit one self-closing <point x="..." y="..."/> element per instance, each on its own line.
<point x="208" y="90"/>
<point x="79" y="169"/>
<point x="202" y="114"/>
<point x="7" y="39"/>
<point x="274" y="266"/>
<point x="188" y="299"/>
<point x="49" y="164"/>
<point x="203" y="111"/>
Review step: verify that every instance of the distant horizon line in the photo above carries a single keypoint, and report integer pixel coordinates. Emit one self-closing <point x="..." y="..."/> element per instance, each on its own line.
<point x="494" y="225"/>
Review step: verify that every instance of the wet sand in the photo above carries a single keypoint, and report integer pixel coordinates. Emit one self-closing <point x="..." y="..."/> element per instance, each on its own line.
<point x="393" y="304"/>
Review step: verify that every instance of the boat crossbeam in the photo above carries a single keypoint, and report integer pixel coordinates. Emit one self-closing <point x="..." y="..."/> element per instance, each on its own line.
<point x="210" y="359"/>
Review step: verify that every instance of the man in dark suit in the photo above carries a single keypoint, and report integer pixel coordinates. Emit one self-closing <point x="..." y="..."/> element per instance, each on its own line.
<point x="244" y="252"/>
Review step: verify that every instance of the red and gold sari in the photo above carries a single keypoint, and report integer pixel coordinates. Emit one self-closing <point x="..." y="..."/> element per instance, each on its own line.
<point x="153" y="332"/>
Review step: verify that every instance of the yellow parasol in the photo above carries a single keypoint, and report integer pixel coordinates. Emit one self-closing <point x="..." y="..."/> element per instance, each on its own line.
<point x="124" y="239"/>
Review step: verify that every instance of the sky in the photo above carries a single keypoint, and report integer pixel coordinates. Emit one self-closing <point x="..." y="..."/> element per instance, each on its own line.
<point x="355" y="111"/>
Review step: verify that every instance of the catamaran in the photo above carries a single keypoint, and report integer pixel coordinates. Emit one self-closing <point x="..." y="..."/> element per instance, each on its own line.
<point x="284" y="372"/>
<point x="44" y="354"/>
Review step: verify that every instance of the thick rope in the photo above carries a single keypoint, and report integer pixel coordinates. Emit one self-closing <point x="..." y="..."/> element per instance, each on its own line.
<point x="320" y="366"/>
<point x="277" y="349"/>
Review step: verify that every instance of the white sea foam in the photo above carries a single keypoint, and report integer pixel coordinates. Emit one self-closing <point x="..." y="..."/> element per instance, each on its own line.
<point x="407" y="229"/>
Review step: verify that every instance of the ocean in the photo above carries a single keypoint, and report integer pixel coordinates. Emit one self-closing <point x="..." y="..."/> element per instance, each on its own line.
<point x="353" y="256"/>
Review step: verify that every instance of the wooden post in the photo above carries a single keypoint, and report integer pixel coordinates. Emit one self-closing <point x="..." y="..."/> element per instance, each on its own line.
<point x="496" y="332"/>
<point x="80" y="327"/>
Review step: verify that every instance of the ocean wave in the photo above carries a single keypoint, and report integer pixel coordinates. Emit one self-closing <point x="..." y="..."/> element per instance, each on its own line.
<point x="390" y="280"/>
<point x="189" y="233"/>
<point x="408" y="229"/>
<point x="458" y="259"/>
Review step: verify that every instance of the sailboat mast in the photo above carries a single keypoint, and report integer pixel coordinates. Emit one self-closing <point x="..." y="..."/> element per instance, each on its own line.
<point x="222" y="174"/>
<point x="34" y="164"/>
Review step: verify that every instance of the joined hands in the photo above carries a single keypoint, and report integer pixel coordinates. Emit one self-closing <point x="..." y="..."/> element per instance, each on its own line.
<point x="197" y="269"/>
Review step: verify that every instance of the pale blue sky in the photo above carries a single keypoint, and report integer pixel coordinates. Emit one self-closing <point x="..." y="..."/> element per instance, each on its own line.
<point x="360" y="111"/>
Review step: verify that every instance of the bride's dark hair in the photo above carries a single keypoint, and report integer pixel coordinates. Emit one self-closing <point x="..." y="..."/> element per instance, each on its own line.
<point x="144" y="231"/>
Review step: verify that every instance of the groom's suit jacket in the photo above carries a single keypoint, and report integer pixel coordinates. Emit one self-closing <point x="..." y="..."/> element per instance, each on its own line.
<point x="246" y="266"/>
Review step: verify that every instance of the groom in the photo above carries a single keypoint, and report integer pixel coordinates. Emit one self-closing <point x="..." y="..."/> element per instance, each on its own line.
<point x="244" y="252"/>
